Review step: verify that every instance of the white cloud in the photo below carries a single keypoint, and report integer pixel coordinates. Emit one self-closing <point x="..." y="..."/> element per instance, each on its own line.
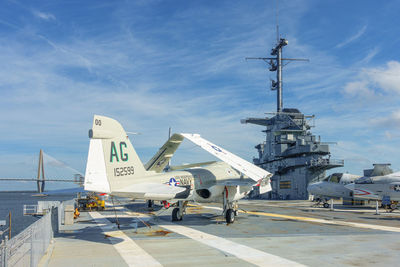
<point x="359" y="89"/>
<point x="370" y="55"/>
<point x="353" y="37"/>
<point x="57" y="108"/>
<point x="391" y="121"/>
<point x="373" y="83"/>
<point x="43" y="15"/>
<point x="387" y="78"/>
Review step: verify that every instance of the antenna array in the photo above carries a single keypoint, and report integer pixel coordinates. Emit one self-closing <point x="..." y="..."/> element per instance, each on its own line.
<point x="275" y="63"/>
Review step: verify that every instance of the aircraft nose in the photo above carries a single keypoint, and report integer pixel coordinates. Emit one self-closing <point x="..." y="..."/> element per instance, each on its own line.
<point x="313" y="188"/>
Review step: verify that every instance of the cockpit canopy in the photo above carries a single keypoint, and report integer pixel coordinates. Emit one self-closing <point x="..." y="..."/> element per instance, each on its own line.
<point x="364" y="180"/>
<point x="334" y="178"/>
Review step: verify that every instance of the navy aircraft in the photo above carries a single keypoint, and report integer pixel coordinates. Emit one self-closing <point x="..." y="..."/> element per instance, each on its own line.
<point x="385" y="188"/>
<point x="113" y="167"/>
<point x="333" y="186"/>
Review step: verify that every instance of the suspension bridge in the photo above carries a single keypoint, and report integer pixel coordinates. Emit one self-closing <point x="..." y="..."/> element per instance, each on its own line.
<point x="41" y="179"/>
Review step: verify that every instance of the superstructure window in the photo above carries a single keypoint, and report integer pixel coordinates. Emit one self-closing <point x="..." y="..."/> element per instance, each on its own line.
<point x="285" y="184"/>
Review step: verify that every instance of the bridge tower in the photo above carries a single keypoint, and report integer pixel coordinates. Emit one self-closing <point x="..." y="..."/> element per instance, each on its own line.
<point x="40" y="180"/>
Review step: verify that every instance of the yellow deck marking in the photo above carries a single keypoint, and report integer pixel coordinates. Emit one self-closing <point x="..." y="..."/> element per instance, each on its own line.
<point x="323" y="221"/>
<point x="309" y="219"/>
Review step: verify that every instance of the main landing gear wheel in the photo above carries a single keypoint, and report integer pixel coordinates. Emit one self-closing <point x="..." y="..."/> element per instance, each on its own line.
<point x="177" y="213"/>
<point x="176" y="216"/>
<point x="326" y="205"/>
<point x="230" y="216"/>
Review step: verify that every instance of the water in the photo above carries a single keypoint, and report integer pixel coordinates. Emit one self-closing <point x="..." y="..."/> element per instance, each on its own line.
<point x="14" y="202"/>
<point x="28" y="185"/>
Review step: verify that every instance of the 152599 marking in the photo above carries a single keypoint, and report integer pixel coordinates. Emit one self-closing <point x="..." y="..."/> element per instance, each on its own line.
<point x="123" y="171"/>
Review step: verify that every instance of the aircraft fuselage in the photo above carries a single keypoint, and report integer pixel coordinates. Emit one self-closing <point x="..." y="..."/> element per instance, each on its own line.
<point x="203" y="184"/>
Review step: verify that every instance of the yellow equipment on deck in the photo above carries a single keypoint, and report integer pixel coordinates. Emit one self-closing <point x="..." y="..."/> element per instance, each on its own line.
<point x="91" y="202"/>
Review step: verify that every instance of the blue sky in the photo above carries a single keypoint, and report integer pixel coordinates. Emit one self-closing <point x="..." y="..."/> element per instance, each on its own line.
<point x="156" y="64"/>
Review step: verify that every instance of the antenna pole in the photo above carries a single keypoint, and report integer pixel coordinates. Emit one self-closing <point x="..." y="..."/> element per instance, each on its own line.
<point x="277" y="22"/>
<point x="277" y="52"/>
<point x="279" y="80"/>
<point x="275" y="64"/>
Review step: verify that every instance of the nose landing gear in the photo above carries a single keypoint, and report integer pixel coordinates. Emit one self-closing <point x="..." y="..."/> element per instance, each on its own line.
<point x="177" y="213"/>
<point x="230" y="209"/>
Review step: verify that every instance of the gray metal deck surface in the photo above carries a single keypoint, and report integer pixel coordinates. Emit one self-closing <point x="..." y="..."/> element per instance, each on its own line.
<point x="271" y="233"/>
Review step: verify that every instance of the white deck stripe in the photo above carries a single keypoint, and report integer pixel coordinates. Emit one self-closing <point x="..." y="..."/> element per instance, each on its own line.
<point x="128" y="249"/>
<point x="243" y="252"/>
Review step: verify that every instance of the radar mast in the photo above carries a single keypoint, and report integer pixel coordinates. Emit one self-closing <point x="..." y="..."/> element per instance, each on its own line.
<point x="276" y="64"/>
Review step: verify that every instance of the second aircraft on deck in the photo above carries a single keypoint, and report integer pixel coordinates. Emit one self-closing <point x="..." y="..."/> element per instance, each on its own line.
<point x="379" y="186"/>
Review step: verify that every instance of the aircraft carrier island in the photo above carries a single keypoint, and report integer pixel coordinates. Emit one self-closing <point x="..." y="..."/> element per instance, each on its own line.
<point x="291" y="152"/>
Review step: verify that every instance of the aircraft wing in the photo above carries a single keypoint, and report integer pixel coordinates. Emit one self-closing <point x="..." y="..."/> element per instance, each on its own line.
<point x="158" y="162"/>
<point x="192" y="165"/>
<point x="236" y="181"/>
<point x="153" y="191"/>
<point x="249" y="169"/>
<point x="264" y="186"/>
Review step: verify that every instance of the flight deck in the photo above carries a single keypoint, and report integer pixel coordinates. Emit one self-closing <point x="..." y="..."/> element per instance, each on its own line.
<point x="265" y="233"/>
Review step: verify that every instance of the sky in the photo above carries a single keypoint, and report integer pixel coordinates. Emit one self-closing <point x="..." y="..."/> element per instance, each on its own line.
<point x="157" y="64"/>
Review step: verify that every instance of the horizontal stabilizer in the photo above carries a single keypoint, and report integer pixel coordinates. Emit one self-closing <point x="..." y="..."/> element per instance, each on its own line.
<point x="153" y="191"/>
<point x="249" y="169"/>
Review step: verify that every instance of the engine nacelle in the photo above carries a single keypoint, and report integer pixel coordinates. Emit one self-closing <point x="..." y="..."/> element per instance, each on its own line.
<point x="211" y="194"/>
<point x="203" y="193"/>
<point x="215" y="193"/>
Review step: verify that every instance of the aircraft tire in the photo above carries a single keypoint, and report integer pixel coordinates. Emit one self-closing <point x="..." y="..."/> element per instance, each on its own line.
<point x="230" y="216"/>
<point x="175" y="215"/>
<point x="326" y="205"/>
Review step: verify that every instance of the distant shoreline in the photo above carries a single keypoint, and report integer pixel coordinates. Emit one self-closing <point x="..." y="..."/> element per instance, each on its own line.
<point x="19" y="191"/>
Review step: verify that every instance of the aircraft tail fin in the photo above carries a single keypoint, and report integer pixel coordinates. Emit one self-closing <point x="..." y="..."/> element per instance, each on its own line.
<point x="112" y="161"/>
